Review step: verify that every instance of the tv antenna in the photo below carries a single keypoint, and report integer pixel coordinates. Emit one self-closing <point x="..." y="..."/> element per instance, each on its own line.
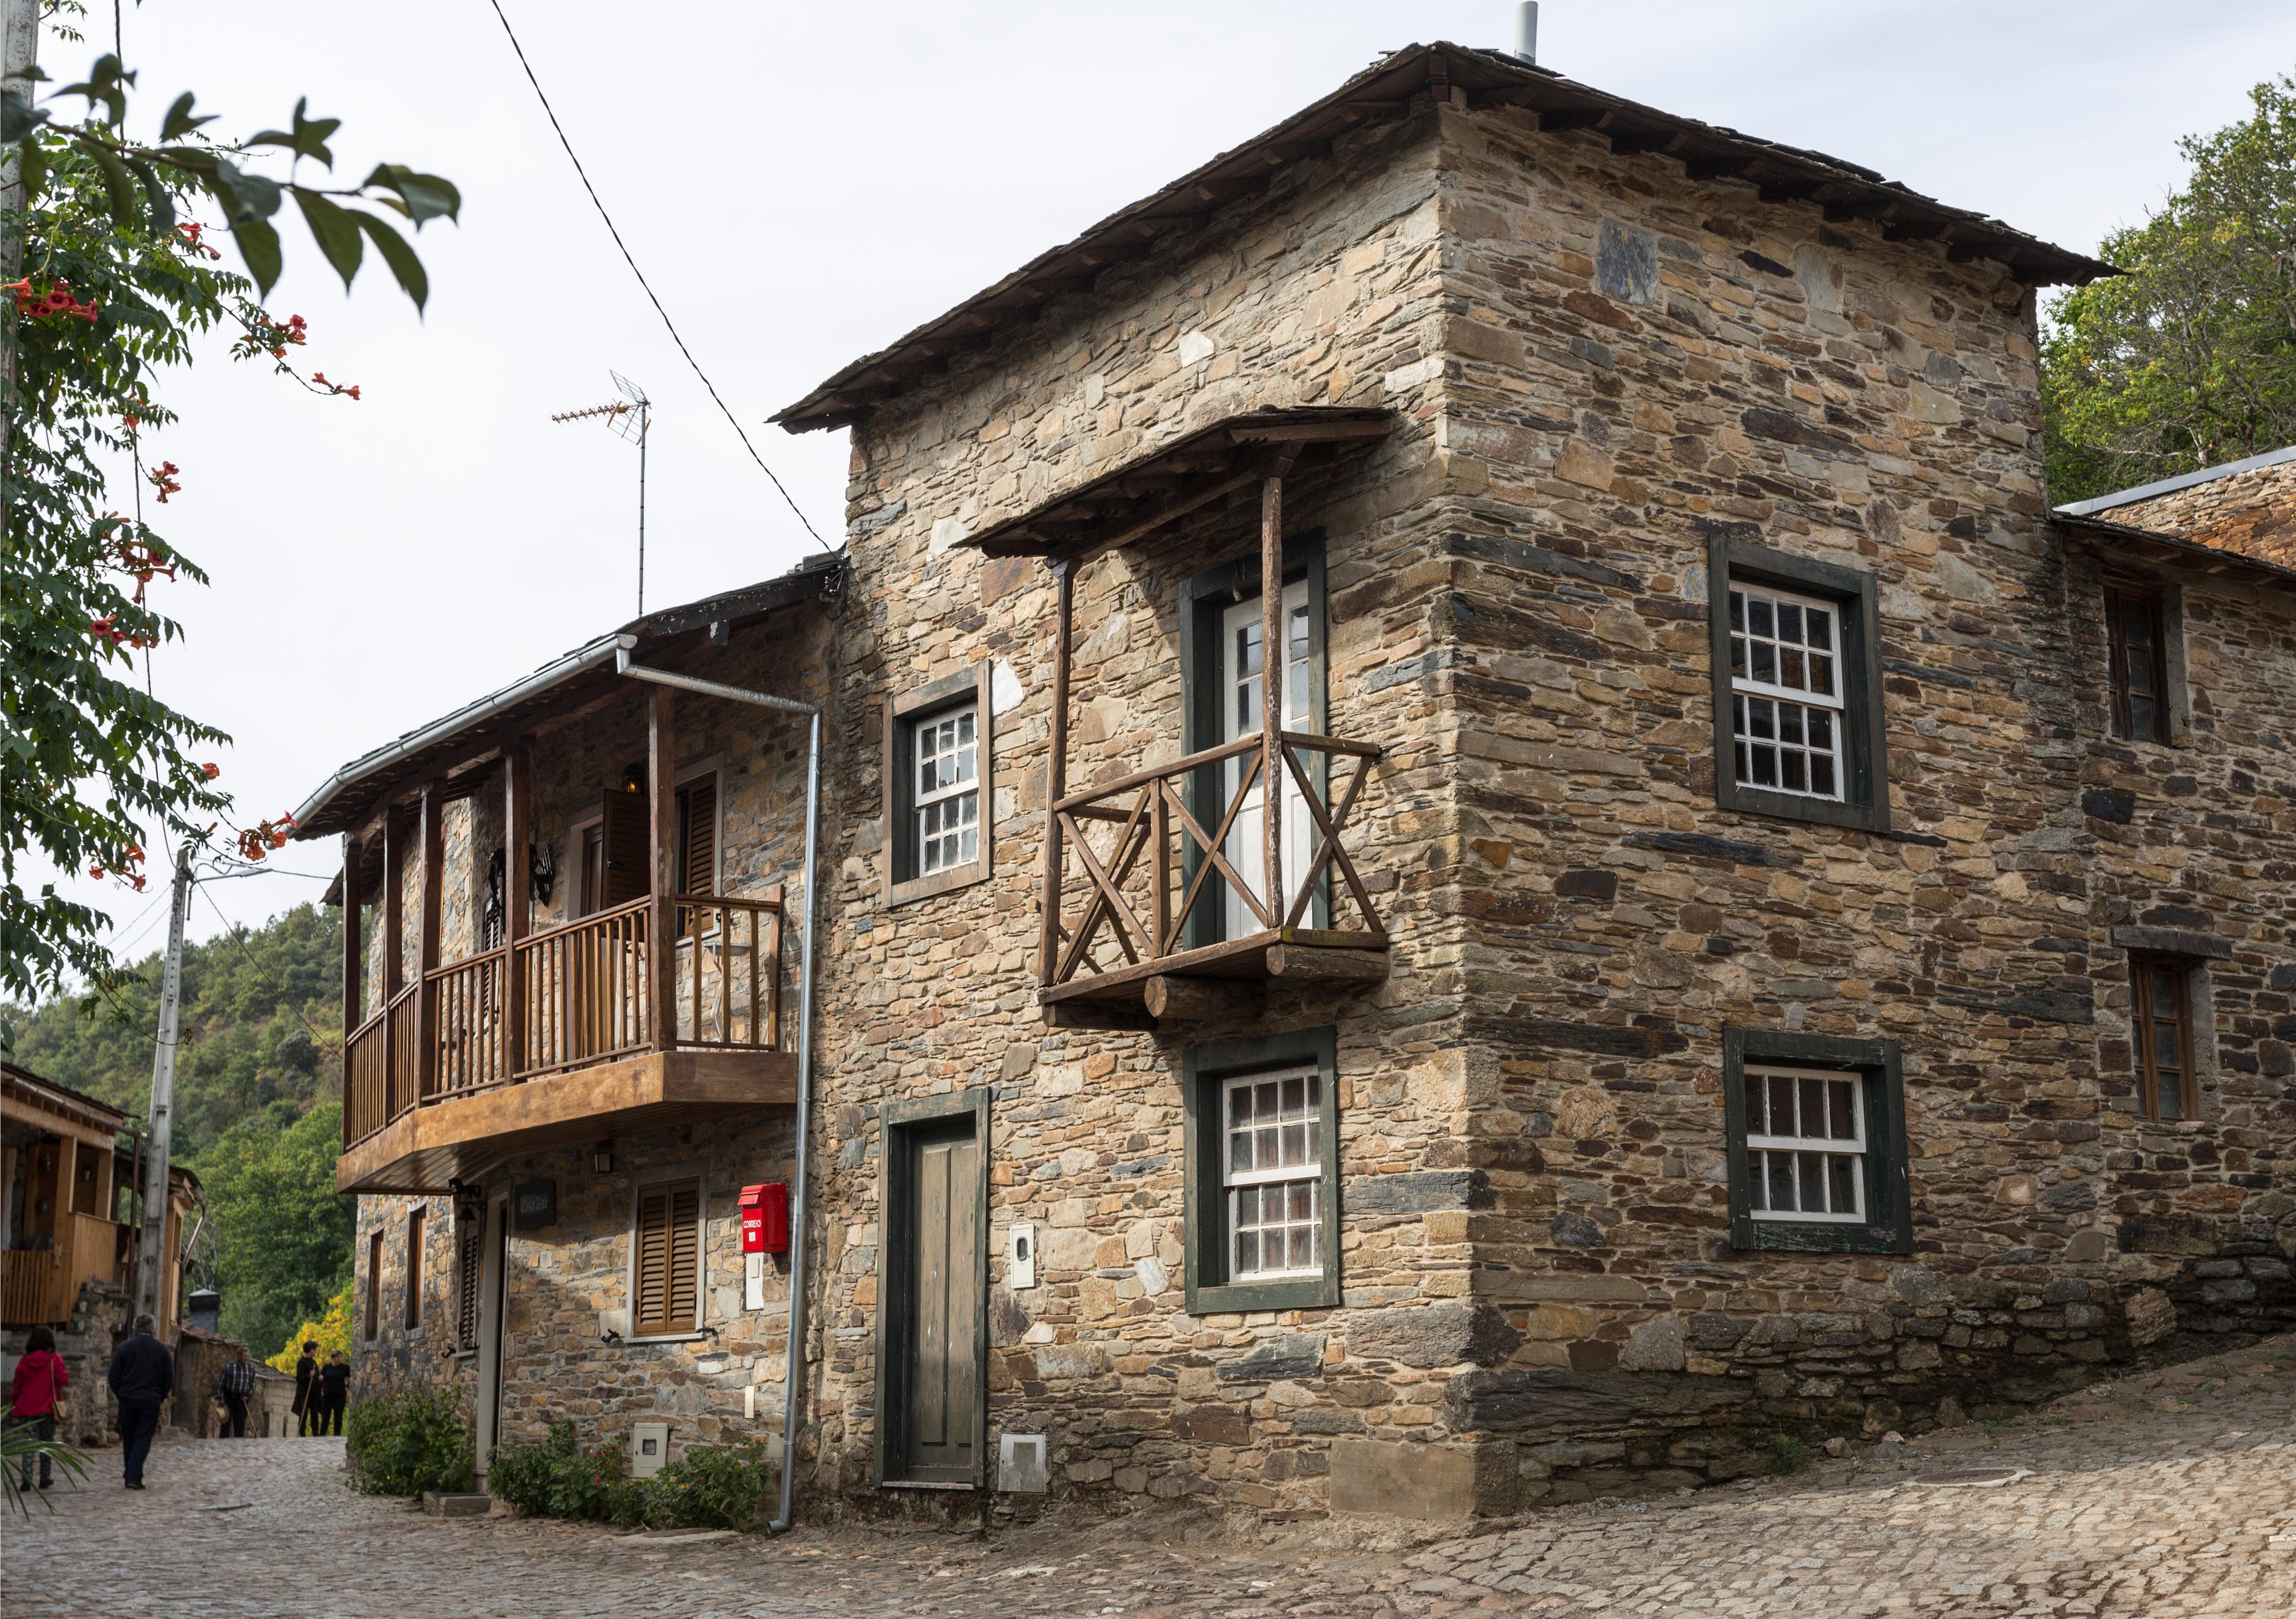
<point x="628" y="416"/>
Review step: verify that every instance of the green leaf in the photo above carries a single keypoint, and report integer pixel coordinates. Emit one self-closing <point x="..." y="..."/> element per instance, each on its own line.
<point x="426" y="196"/>
<point x="309" y="138"/>
<point x="104" y="83"/>
<point x="259" y="245"/>
<point x="179" y="121"/>
<point x="18" y="118"/>
<point x="332" y="228"/>
<point x="32" y="163"/>
<point x="244" y="196"/>
<point x="119" y="188"/>
<point x="163" y="206"/>
<point x="397" y="254"/>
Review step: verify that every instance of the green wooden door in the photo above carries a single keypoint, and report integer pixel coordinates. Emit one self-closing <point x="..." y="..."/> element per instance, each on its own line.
<point x="942" y="1385"/>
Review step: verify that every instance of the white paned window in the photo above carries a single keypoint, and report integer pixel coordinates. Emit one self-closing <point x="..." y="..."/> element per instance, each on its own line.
<point x="1806" y="1144"/>
<point x="1785" y="691"/>
<point x="1273" y="1175"/>
<point x="949" y="791"/>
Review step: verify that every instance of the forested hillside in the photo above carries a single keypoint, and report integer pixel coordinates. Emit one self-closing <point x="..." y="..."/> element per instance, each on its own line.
<point x="257" y="1083"/>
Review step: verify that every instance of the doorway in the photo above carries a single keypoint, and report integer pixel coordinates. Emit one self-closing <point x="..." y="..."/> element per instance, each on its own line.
<point x="494" y="1267"/>
<point x="1242" y="669"/>
<point x="933" y="1340"/>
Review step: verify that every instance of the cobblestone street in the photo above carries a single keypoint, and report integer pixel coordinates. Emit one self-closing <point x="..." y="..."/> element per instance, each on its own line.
<point x="2170" y="1494"/>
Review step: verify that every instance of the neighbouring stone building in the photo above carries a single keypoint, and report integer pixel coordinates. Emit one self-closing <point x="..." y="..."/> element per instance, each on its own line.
<point x="1806" y="946"/>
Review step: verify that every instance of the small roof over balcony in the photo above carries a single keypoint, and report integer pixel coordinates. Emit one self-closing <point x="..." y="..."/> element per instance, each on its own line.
<point x="1189" y="474"/>
<point x="561" y="691"/>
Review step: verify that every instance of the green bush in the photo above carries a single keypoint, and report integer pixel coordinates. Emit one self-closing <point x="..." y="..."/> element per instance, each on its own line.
<point x="1788" y="1454"/>
<point x="407" y="1443"/>
<point x="710" y="1487"/>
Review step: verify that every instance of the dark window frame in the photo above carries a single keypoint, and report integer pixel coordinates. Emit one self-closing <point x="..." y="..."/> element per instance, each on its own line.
<point x="1864" y="801"/>
<point x="1202" y="600"/>
<point x="894" y="1124"/>
<point x="1888" y="1227"/>
<point x="1203" y="1068"/>
<point x="418" y="1233"/>
<point x="374" y="1322"/>
<point x="2118" y="595"/>
<point x="2143" y="1054"/>
<point x="902" y="716"/>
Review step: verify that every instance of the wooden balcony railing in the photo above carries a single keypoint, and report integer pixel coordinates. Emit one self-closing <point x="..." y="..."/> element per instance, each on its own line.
<point x="565" y="998"/>
<point x="38" y="1286"/>
<point x="1132" y="894"/>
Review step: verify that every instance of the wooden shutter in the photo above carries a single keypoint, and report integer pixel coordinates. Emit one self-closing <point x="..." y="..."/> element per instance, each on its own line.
<point x="697" y="836"/>
<point x="467" y="1283"/>
<point x="373" y="1283"/>
<point x="626" y="842"/>
<point x="666" y="1266"/>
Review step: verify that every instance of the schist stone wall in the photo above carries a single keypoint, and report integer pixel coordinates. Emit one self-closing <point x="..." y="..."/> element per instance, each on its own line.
<point x="566" y="1285"/>
<point x="1601" y="368"/>
<point x="2252" y="513"/>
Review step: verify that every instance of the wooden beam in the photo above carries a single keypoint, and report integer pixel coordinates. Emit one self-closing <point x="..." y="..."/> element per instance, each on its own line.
<point x="518" y="900"/>
<point x="427" y="941"/>
<point x="1057" y="767"/>
<point x="662" y="823"/>
<point x="1563" y="119"/>
<point x="1300" y="961"/>
<point x="1271" y="689"/>
<point x="1201" y="999"/>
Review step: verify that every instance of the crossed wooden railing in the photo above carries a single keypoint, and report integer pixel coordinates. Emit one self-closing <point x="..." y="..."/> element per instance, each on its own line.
<point x="583" y="997"/>
<point x="1134" y="888"/>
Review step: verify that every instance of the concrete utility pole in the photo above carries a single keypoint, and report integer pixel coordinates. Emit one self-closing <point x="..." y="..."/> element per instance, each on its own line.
<point x="148" y="1277"/>
<point x="20" y="55"/>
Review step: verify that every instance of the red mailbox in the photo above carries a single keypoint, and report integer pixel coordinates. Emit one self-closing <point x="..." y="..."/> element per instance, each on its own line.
<point x="765" y="1218"/>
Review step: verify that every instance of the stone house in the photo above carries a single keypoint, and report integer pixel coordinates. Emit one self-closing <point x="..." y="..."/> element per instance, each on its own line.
<point x="1761" y="926"/>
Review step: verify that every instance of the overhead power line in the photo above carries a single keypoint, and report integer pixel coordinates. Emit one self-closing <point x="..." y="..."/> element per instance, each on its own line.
<point x="731" y="419"/>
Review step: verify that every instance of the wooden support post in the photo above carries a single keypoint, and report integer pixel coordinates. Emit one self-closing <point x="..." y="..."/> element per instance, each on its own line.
<point x="354" y="961"/>
<point x="427" y="941"/>
<point x="1271" y="691"/>
<point x="661" y="822"/>
<point x="1055" y="770"/>
<point x="394" y="952"/>
<point x="517" y="898"/>
<point x="1198" y="999"/>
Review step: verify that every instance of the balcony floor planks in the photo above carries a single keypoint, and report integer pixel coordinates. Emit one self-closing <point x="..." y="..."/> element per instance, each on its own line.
<point x="460" y="1139"/>
<point x="1247" y="957"/>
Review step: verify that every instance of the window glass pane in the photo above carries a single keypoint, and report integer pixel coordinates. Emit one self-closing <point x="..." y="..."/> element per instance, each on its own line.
<point x="1813" y="1107"/>
<point x="1820" y="676"/>
<point x="1759" y="616"/>
<point x="1822" y="778"/>
<point x="1790" y="668"/>
<point x="1737" y="654"/>
<point x="1758" y="1191"/>
<point x="2166" y="1052"/>
<point x="1762" y="717"/>
<point x="1295" y="1092"/>
<point x="1738" y="611"/>
<point x="1781" y="1182"/>
<point x="1813" y="1182"/>
<point x="1757" y="1107"/>
<point x="1841" y="1189"/>
<point x="1844" y="1115"/>
<point x="1303" y="1200"/>
<point x="1789" y="722"/>
<point x="1303" y="1247"/>
<point x="2164" y="993"/>
<point x="1247" y="1251"/>
<point x="1789" y="622"/>
<point x="1765" y="660"/>
<point x="1782" y="1107"/>
<point x="2169" y="1104"/>
<point x="1792" y="777"/>
<point x="1821" y="630"/>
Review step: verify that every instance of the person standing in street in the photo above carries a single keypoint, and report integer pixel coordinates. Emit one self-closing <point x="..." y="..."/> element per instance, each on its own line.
<point x="40" y="1378"/>
<point x="235" y="1386"/>
<point x="306" y="1403"/>
<point x="143" y="1375"/>
<point x="334" y="1393"/>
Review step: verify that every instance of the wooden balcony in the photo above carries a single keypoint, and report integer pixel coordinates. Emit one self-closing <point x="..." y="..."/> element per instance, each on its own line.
<point x="38" y="1286"/>
<point x="553" y="1041"/>
<point x="1131" y="933"/>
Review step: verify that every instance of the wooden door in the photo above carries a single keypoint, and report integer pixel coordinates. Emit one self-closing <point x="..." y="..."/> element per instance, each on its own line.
<point x="940" y="1399"/>
<point x="627" y="850"/>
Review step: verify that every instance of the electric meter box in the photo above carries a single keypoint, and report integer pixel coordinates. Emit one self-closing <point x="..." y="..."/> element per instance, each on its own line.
<point x="649" y="1448"/>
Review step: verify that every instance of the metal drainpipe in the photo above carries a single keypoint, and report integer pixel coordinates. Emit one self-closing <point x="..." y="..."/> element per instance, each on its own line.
<point x="794" y="1360"/>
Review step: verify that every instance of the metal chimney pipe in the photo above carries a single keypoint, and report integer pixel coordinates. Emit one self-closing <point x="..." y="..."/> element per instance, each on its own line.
<point x="1526" y="31"/>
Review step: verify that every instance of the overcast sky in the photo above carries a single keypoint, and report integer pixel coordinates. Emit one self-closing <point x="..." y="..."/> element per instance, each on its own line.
<point x="804" y="182"/>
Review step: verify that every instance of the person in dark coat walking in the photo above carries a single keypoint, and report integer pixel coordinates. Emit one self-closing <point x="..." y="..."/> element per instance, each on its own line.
<point x="235" y="1386"/>
<point x="334" y="1393"/>
<point x="143" y="1375"/>
<point x="307" y="1389"/>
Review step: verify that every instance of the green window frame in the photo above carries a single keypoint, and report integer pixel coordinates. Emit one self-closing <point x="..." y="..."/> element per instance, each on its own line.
<point x="1860" y="798"/>
<point x="1208" y="1074"/>
<point x="1844" y="1139"/>
<point x="904" y="718"/>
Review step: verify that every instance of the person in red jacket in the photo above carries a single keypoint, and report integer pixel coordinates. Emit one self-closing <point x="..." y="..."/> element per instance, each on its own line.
<point x="40" y="1378"/>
